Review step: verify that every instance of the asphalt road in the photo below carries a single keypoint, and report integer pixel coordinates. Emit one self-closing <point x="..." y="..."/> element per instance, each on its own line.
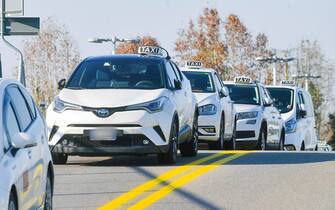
<point x="217" y="180"/>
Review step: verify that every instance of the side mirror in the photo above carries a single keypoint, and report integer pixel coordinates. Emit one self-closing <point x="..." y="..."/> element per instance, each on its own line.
<point x="43" y="105"/>
<point x="268" y="103"/>
<point x="61" y="84"/>
<point x="223" y="92"/>
<point x="302" y="113"/>
<point x="177" y="85"/>
<point x="23" y="140"/>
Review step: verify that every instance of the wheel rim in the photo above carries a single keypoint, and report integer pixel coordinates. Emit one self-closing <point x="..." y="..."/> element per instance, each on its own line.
<point x="48" y="195"/>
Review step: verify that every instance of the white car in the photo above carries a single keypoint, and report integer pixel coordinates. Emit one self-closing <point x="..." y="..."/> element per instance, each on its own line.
<point x="216" y="117"/>
<point x="258" y="122"/>
<point x="296" y="107"/>
<point x="124" y="105"/>
<point x="26" y="170"/>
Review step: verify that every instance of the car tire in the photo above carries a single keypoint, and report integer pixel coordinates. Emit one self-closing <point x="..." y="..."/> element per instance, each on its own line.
<point x="48" y="204"/>
<point x="262" y="140"/>
<point x="190" y="148"/>
<point x="59" y="158"/>
<point x="171" y="156"/>
<point x="12" y="203"/>
<point x="219" y="144"/>
<point x="281" y="146"/>
<point x="302" y="148"/>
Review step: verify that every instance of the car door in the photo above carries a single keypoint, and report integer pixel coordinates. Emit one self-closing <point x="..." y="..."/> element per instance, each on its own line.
<point x="270" y="115"/>
<point x="302" y="124"/>
<point x="310" y="121"/>
<point x="227" y="106"/>
<point x="177" y="96"/>
<point x="28" y="124"/>
<point x="14" y="160"/>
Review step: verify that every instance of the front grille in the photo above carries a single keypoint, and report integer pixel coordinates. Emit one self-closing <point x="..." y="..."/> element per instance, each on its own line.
<point x="245" y="134"/>
<point x="123" y="141"/>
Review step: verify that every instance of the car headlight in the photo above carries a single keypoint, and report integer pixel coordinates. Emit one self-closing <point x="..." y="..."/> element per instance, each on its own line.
<point x="151" y="106"/>
<point x="290" y="126"/>
<point x="246" y="115"/>
<point x="208" y="109"/>
<point x="61" y="106"/>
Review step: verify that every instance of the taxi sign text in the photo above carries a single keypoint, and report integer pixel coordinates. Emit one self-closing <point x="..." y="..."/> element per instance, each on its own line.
<point x="243" y="80"/>
<point x="193" y="64"/>
<point x="288" y="82"/>
<point x="149" y="50"/>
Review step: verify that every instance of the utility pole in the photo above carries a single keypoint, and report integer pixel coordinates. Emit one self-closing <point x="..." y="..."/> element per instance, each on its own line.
<point x="307" y="78"/>
<point x="273" y="59"/>
<point x="113" y="41"/>
<point x="21" y="73"/>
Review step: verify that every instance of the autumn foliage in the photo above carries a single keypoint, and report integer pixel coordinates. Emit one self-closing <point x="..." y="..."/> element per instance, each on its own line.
<point x="132" y="48"/>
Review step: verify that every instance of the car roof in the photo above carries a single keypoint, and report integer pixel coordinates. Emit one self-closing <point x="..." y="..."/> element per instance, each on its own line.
<point x="234" y="83"/>
<point x="126" y="57"/>
<point x="284" y="86"/>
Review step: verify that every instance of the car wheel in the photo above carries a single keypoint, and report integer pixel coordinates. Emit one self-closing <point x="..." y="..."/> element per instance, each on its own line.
<point x="219" y="144"/>
<point x="171" y="156"/>
<point x="282" y="141"/>
<point x="48" y="194"/>
<point x="302" y="148"/>
<point x="59" y="159"/>
<point x="262" y="140"/>
<point x="191" y="148"/>
<point x="12" y="203"/>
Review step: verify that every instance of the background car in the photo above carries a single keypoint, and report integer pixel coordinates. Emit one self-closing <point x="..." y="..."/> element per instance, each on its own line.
<point x="124" y="105"/>
<point x="258" y="122"/>
<point x="216" y="116"/>
<point x="26" y="170"/>
<point x="296" y="108"/>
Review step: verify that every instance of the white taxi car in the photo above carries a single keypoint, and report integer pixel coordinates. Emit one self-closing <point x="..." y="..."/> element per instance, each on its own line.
<point x="258" y="122"/>
<point x="26" y="170"/>
<point x="124" y="105"/>
<point x="216" y="117"/>
<point x="296" y="108"/>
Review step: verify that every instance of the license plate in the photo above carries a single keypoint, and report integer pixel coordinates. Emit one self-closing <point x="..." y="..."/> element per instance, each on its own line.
<point x="103" y="134"/>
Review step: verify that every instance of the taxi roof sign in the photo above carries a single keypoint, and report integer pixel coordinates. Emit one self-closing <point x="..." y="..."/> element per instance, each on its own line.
<point x="243" y="80"/>
<point x="193" y="64"/>
<point x="150" y="50"/>
<point x="288" y="82"/>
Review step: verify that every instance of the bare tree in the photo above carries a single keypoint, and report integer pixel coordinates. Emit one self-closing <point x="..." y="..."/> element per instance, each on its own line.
<point x="49" y="57"/>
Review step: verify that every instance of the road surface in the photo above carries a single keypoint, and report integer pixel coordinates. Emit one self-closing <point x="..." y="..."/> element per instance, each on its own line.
<point x="212" y="180"/>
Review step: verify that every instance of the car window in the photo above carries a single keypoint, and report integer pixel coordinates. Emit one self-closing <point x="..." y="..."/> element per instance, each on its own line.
<point x="177" y="70"/>
<point x="201" y="82"/>
<point x="300" y="104"/>
<point x="244" y="94"/>
<point x="10" y="124"/>
<point x="118" y="74"/>
<point x="20" y="107"/>
<point x="171" y="74"/>
<point x="30" y="102"/>
<point x="283" y="99"/>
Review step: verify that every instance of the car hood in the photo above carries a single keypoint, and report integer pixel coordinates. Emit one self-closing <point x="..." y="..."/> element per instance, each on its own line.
<point x="206" y="98"/>
<point x="109" y="97"/>
<point x="246" y="108"/>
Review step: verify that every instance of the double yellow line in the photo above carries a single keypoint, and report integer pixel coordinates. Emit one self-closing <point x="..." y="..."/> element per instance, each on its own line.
<point x="193" y="170"/>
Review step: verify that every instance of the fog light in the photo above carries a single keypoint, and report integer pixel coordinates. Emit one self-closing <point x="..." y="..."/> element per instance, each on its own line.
<point x="146" y="142"/>
<point x="209" y="130"/>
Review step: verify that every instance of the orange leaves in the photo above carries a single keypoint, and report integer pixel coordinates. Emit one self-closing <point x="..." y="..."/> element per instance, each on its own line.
<point x="131" y="48"/>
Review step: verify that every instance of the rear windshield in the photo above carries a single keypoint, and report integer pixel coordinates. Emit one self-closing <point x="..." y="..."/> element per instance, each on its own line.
<point x="244" y="94"/>
<point x="282" y="98"/>
<point x="118" y="74"/>
<point x="201" y="82"/>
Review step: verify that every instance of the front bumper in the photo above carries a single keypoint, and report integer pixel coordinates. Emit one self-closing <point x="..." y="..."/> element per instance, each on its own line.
<point x="247" y="131"/>
<point x="67" y="132"/>
<point x="209" y="127"/>
<point x="293" y="139"/>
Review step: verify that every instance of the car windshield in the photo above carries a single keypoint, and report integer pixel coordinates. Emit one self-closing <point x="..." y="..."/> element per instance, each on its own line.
<point x="282" y="98"/>
<point x="118" y="74"/>
<point x="201" y="82"/>
<point x="244" y="94"/>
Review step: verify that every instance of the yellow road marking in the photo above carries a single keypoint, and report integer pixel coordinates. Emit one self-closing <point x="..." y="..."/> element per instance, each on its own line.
<point x="119" y="201"/>
<point x="164" y="191"/>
